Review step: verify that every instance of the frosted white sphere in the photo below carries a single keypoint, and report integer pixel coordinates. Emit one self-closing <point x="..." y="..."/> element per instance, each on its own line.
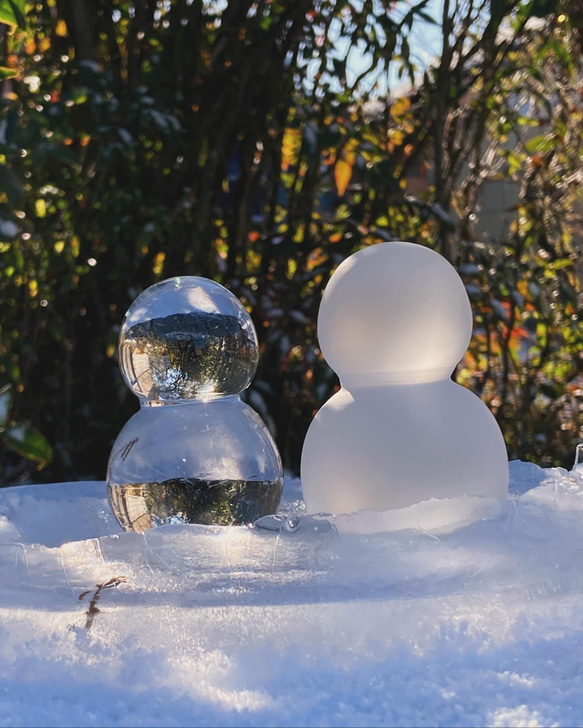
<point x="394" y="321"/>
<point x="394" y="312"/>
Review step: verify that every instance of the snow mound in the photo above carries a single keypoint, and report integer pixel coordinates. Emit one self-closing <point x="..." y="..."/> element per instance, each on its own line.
<point x="447" y="613"/>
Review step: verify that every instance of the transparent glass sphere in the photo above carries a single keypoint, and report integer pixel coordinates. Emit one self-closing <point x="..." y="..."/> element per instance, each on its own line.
<point x="185" y="338"/>
<point x="194" y="453"/>
<point x="206" y="462"/>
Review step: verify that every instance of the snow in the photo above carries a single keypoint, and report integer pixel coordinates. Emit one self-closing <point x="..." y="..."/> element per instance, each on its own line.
<point x="373" y="619"/>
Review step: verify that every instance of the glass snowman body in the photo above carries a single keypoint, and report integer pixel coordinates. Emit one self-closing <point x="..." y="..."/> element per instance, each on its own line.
<point x="194" y="452"/>
<point x="394" y="321"/>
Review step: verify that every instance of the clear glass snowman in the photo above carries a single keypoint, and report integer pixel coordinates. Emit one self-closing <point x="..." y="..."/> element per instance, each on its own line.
<point x="194" y="452"/>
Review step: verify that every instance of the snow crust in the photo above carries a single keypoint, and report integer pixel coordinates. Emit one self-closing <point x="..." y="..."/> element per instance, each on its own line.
<point x="461" y="613"/>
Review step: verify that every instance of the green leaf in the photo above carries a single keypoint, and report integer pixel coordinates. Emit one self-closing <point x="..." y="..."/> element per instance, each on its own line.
<point x="540" y="143"/>
<point x="30" y="443"/>
<point x="265" y="22"/>
<point x="561" y="53"/>
<point x="7" y="73"/>
<point x="527" y="121"/>
<point x="12" y="13"/>
<point x="515" y="161"/>
<point x="5" y="402"/>
<point x="561" y="263"/>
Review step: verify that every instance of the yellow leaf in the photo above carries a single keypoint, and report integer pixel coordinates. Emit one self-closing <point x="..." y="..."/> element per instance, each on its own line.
<point x="40" y="208"/>
<point x="61" y="28"/>
<point x="299" y="235"/>
<point x="158" y="267"/>
<point x="59" y="246"/>
<point x="400" y="107"/>
<point x="342" y="175"/>
<point x="396" y="136"/>
<point x="349" y="152"/>
<point x="33" y="288"/>
<point x="290" y="148"/>
<point x="522" y="287"/>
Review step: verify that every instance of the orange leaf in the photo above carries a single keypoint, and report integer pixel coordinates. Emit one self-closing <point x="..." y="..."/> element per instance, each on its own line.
<point x="518" y="332"/>
<point x="61" y="29"/>
<point x="342" y="175"/>
<point x="316" y="258"/>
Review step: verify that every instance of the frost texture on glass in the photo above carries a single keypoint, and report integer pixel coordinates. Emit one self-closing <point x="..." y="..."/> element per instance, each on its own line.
<point x="187" y="337"/>
<point x="394" y="321"/>
<point x="194" y="453"/>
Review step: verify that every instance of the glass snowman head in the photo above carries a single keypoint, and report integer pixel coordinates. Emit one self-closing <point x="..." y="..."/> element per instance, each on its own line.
<point x="187" y="338"/>
<point x="194" y="453"/>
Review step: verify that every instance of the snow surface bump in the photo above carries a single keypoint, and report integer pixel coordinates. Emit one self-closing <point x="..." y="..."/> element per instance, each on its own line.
<point x="335" y="623"/>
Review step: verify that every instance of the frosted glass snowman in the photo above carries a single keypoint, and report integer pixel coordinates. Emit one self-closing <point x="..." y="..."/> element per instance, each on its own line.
<point x="394" y="321"/>
<point x="194" y="452"/>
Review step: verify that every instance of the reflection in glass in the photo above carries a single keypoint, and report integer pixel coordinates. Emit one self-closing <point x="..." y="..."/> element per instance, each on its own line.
<point x="194" y="453"/>
<point x="219" y="502"/>
<point x="171" y="351"/>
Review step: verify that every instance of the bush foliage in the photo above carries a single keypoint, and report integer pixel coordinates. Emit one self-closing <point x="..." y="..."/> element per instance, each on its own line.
<point x="141" y="140"/>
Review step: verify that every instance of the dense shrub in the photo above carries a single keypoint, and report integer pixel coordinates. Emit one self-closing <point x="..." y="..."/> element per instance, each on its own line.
<point x="141" y="140"/>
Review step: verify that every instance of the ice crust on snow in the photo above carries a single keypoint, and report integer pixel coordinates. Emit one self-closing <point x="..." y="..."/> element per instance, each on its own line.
<point x="447" y="613"/>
